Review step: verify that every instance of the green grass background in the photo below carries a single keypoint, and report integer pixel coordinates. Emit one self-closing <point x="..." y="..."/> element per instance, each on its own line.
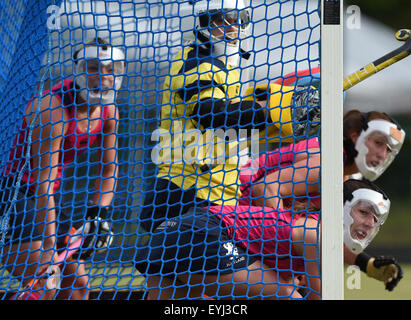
<point x="396" y="231"/>
<point x="371" y="289"/>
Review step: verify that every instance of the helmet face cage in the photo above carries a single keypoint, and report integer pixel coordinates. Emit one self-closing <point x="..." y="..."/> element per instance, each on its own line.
<point x="218" y="18"/>
<point x="376" y="203"/>
<point x="221" y="14"/>
<point x="105" y="56"/>
<point x="394" y="138"/>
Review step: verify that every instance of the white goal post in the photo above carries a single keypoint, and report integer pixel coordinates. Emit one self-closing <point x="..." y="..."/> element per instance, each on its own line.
<point x="332" y="271"/>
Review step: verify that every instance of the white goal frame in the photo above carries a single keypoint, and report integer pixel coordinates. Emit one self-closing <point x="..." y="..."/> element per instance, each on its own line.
<point x="332" y="260"/>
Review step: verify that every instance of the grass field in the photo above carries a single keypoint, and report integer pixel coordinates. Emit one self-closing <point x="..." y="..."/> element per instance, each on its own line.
<point x="371" y="289"/>
<point x="117" y="283"/>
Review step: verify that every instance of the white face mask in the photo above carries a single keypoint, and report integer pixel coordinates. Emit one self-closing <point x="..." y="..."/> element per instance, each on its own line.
<point x="363" y="216"/>
<point x="377" y="147"/>
<point x="112" y="59"/>
<point x="229" y="25"/>
<point x="224" y="48"/>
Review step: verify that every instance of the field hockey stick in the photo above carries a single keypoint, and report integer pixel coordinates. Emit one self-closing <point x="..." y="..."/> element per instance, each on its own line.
<point x="26" y="293"/>
<point x="383" y="62"/>
<point x="94" y="235"/>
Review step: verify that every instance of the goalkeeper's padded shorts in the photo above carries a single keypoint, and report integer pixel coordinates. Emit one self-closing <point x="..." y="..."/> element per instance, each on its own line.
<point x="166" y="200"/>
<point x="196" y="242"/>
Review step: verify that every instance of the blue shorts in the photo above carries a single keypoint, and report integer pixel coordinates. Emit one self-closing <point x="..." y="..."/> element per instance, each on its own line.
<point x="196" y="242"/>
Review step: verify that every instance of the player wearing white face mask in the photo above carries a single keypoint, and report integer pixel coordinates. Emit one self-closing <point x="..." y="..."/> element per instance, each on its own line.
<point x="74" y="116"/>
<point x="99" y="70"/>
<point x="365" y="211"/>
<point x="221" y="25"/>
<point x="372" y="140"/>
<point x="202" y="94"/>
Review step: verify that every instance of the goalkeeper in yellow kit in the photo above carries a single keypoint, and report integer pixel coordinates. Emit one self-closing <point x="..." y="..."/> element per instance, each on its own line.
<point x="202" y="103"/>
<point x="203" y="116"/>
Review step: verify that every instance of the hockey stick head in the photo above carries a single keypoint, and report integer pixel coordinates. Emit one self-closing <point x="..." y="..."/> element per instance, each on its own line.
<point x="403" y="34"/>
<point x="383" y="62"/>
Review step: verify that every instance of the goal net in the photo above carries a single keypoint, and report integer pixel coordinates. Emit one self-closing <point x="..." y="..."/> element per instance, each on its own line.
<point x="185" y="166"/>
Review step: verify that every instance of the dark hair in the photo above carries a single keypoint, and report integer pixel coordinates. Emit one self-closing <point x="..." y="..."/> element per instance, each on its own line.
<point x="355" y="120"/>
<point x="352" y="184"/>
<point x="96" y="41"/>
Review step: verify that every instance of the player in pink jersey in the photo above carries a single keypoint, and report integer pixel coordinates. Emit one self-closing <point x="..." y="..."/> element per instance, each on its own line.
<point x="371" y="142"/>
<point x="73" y="117"/>
<point x="258" y="253"/>
<point x="280" y="163"/>
<point x="218" y="253"/>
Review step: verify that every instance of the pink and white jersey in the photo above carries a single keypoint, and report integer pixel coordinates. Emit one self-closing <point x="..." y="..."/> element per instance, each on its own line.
<point x="270" y="162"/>
<point x="73" y="144"/>
<point x="265" y="232"/>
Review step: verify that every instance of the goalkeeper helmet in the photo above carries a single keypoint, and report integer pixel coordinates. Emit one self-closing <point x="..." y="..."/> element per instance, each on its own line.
<point x="90" y="60"/>
<point x="365" y="210"/>
<point x="377" y="146"/>
<point x="220" y="25"/>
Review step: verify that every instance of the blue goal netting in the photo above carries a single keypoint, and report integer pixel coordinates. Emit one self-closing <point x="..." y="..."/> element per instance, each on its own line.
<point x="159" y="149"/>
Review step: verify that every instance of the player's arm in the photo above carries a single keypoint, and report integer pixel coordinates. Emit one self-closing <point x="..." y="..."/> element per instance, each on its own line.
<point x="106" y="182"/>
<point x="382" y="268"/>
<point x="235" y="113"/>
<point x="45" y="149"/>
<point x="205" y="95"/>
<point x="298" y="179"/>
<point x="105" y="185"/>
<point x="306" y="243"/>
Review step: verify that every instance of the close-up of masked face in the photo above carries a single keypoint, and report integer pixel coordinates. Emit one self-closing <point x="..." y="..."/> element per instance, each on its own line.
<point x="365" y="219"/>
<point x="101" y="77"/>
<point x="225" y="26"/>
<point x="99" y="74"/>
<point x="377" y="147"/>
<point x="363" y="216"/>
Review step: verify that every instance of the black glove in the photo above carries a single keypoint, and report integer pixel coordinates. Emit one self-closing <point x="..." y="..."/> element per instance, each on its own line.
<point x="95" y="231"/>
<point x="382" y="268"/>
<point x="96" y="211"/>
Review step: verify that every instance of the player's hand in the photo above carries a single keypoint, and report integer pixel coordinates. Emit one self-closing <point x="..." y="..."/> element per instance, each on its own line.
<point x="96" y="232"/>
<point x="96" y="211"/>
<point x="385" y="269"/>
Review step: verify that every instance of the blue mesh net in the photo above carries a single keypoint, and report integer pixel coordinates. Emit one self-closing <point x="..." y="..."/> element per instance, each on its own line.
<point x="208" y="178"/>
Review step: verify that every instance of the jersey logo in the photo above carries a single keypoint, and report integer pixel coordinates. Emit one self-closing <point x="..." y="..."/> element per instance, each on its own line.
<point x="231" y="249"/>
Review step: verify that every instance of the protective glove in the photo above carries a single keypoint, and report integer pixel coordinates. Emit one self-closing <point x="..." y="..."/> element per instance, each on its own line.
<point x="95" y="232"/>
<point x="383" y="268"/>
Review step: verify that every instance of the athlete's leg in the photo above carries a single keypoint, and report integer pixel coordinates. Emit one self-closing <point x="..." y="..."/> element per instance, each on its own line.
<point x="257" y="281"/>
<point x="162" y="288"/>
<point x="74" y="284"/>
<point x="23" y="261"/>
